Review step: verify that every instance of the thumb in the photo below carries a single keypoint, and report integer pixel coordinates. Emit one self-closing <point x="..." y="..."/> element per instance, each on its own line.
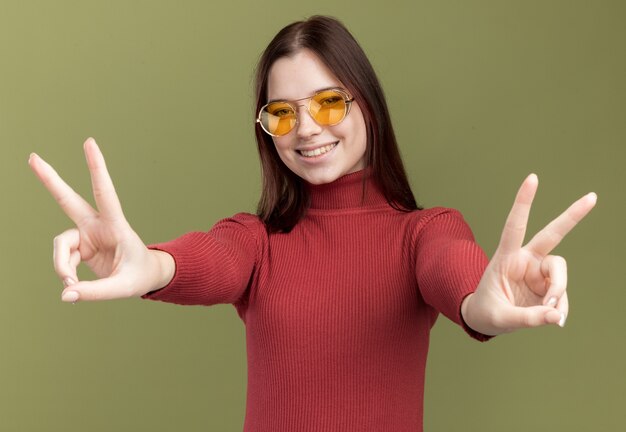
<point x="101" y="289"/>
<point x="526" y="317"/>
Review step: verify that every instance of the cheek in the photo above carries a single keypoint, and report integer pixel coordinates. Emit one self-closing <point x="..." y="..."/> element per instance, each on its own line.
<point x="282" y="146"/>
<point x="278" y="144"/>
<point x="360" y="133"/>
<point x="356" y="117"/>
<point x="358" y="129"/>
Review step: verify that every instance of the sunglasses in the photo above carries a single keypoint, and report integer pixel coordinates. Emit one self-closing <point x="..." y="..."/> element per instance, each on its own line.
<point x="327" y="107"/>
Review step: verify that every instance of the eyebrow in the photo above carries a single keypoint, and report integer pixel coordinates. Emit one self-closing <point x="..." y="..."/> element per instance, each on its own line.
<point x="307" y="97"/>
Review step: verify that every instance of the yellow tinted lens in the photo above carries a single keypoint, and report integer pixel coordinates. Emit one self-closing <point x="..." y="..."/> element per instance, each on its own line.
<point x="328" y="107"/>
<point x="278" y="118"/>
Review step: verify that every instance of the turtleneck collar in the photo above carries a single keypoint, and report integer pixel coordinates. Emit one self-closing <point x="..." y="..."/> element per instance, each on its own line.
<point x="354" y="190"/>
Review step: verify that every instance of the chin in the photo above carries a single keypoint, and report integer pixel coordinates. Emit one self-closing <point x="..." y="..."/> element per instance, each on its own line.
<point x="324" y="174"/>
<point x="320" y="179"/>
<point x="318" y="182"/>
<point x="325" y="177"/>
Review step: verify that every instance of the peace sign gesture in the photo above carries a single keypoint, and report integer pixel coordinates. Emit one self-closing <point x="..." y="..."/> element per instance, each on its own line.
<point x="524" y="286"/>
<point x="102" y="238"/>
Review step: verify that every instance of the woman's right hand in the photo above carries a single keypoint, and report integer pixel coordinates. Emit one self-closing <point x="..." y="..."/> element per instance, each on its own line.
<point x="102" y="238"/>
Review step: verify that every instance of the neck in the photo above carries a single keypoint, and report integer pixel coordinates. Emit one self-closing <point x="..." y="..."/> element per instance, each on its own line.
<point x="354" y="190"/>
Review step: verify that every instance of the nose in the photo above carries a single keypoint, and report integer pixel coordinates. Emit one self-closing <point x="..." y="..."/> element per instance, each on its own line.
<point x="306" y="126"/>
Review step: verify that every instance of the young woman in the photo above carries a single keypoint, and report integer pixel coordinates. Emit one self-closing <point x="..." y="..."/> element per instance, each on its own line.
<point x="340" y="276"/>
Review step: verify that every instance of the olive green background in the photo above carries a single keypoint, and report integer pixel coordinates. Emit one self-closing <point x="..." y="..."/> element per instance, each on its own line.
<point x="481" y="94"/>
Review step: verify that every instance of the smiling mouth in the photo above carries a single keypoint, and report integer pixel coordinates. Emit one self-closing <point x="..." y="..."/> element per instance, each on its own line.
<point x="318" y="151"/>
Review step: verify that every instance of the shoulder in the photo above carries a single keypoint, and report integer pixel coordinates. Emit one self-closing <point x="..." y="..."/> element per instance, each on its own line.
<point x="245" y="223"/>
<point x="439" y="222"/>
<point x="246" y="226"/>
<point x="435" y="216"/>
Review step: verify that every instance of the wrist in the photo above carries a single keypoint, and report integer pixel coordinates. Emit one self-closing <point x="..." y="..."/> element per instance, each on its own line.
<point x="465" y="310"/>
<point x="165" y="269"/>
<point x="475" y="319"/>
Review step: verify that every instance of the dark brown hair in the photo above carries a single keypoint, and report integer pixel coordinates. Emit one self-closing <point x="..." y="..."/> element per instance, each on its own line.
<point x="285" y="198"/>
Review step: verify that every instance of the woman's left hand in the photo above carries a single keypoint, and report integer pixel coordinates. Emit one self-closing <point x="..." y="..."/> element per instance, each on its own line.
<point x="524" y="286"/>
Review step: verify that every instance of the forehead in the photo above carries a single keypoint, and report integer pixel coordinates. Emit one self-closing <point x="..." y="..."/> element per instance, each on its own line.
<point x="299" y="76"/>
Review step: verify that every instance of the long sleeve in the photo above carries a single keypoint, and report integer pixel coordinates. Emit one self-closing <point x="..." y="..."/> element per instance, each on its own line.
<point x="212" y="267"/>
<point x="449" y="264"/>
<point x="338" y="311"/>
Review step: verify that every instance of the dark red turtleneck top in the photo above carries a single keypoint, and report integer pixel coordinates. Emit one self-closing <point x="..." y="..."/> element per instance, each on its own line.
<point x="338" y="311"/>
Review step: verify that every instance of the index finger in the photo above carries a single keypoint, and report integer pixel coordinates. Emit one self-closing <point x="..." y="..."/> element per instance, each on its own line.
<point x="515" y="227"/>
<point x="552" y="234"/>
<point x="72" y="204"/>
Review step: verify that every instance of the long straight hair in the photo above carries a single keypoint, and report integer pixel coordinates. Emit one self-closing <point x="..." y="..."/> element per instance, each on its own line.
<point x="285" y="198"/>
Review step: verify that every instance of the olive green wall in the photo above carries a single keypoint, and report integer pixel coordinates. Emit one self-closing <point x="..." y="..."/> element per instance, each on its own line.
<point x="481" y="93"/>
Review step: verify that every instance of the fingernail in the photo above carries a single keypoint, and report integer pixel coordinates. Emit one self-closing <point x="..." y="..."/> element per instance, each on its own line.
<point x="562" y="320"/>
<point x="69" y="296"/>
<point x="551" y="302"/>
<point x="68" y="281"/>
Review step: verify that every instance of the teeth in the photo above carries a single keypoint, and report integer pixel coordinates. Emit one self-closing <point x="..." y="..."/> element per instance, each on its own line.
<point x="318" y="151"/>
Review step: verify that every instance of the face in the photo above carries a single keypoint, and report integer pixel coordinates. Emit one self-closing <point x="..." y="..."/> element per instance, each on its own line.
<point x="317" y="154"/>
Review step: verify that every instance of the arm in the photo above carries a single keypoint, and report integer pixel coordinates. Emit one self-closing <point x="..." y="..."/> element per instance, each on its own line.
<point x="524" y="286"/>
<point x="449" y="264"/>
<point x="102" y="238"/>
<point x="214" y="267"/>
